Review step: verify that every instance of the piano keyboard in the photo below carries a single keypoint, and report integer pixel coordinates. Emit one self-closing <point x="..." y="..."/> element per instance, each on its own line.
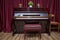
<point x="31" y="18"/>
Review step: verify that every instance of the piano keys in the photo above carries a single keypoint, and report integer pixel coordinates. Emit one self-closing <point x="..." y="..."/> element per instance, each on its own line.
<point x="31" y="17"/>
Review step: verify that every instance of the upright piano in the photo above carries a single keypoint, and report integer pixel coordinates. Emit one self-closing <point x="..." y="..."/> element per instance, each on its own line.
<point x="29" y="16"/>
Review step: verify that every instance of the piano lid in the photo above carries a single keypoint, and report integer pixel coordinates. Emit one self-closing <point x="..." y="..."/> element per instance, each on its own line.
<point x="30" y="10"/>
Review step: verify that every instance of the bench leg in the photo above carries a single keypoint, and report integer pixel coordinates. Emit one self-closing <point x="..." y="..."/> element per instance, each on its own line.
<point x="39" y="35"/>
<point x="25" y="35"/>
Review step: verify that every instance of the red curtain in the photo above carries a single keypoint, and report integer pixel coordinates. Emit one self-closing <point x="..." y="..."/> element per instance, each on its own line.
<point x="7" y="6"/>
<point x="0" y="15"/>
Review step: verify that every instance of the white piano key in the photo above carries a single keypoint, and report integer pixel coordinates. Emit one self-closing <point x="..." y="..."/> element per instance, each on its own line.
<point x="31" y="18"/>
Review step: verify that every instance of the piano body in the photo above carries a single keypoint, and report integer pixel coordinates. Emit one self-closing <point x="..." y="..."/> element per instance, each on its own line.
<point x="29" y="16"/>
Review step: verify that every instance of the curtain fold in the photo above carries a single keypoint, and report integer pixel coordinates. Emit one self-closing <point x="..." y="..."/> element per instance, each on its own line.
<point x="0" y="15"/>
<point x="6" y="11"/>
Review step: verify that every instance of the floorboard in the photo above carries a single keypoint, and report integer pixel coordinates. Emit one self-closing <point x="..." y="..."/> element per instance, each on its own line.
<point x="8" y="36"/>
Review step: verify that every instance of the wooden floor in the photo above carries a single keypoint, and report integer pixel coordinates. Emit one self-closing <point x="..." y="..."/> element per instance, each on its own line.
<point x="8" y="36"/>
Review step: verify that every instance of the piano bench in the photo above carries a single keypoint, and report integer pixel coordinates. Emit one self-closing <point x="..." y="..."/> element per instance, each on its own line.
<point x="32" y="28"/>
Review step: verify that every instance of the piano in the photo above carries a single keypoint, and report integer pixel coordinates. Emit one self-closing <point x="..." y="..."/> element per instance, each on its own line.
<point x="23" y="16"/>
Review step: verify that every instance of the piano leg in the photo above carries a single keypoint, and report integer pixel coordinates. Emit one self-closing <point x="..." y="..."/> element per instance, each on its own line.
<point x="48" y="27"/>
<point x="48" y="32"/>
<point x="13" y="26"/>
<point x="14" y="32"/>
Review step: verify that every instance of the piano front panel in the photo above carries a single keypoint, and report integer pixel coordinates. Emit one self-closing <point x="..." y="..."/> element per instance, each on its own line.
<point x="20" y="25"/>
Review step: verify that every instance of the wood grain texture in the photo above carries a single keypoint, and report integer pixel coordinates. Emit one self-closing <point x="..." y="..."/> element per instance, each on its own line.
<point x="8" y="36"/>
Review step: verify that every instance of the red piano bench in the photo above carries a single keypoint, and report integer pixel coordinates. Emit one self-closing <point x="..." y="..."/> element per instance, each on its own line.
<point x="31" y="28"/>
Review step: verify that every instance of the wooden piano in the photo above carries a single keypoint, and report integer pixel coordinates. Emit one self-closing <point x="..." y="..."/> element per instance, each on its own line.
<point x="29" y="16"/>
